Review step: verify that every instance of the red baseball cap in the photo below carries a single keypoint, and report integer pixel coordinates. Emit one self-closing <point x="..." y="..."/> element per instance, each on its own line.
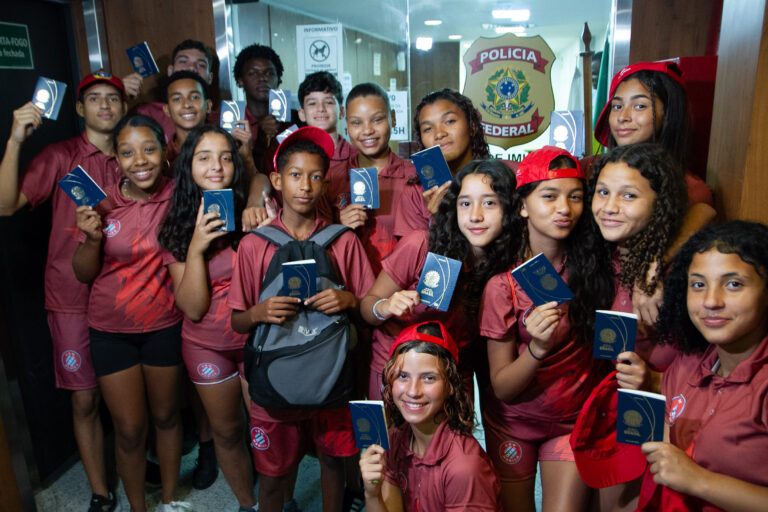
<point x="668" y="67"/>
<point x="411" y="334"/>
<point x="601" y="461"/>
<point x="535" y="166"/>
<point x="311" y="133"/>
<point x="103" y="77"/>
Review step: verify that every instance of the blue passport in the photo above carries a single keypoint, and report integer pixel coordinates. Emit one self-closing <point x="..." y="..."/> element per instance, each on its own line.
<point x="231" y="113"/>
<point x="370" y="423"/>
<point x="431" y="167"/>
<point x="141" y="59"/>
<point x="541" y="282"/>
<point x="639" y="417"/>
<point x="364" y="187"/>
<point x="48" y="96"/>
<point x="81" y="188"/>
<point x="285" y="133"/>
<point x="299" y="279"/>
<point x="438" y="281"/>
<point x="566" y="131"/>
<point x="221" y="202"/>
<point x="278" y="104"/>
<point x="614" y="333"/>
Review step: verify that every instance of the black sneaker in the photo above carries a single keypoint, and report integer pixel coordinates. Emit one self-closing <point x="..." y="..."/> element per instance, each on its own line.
<point x="101" y="504"/>
<point x="354" y="501"/>
<point x="206" y="470"/>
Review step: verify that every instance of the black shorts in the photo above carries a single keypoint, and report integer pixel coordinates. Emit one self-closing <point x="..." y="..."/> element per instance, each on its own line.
<point x="115" y="351"/>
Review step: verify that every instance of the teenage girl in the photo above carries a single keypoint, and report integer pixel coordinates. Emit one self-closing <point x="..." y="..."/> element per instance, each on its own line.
<point x="472" y="226"/>
<point x="716" y="312"/>
<point x="134" y="326"/>
<point x="200" y="259"/>
<point x="433" y="462"/>
<point x="447" y="119"/>
<point x="541" y="364"/>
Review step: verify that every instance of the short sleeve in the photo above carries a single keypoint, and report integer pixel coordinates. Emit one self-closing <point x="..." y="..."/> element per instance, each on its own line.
<point x="405" y="262"/>
<point x="41" y="175"/>
<point x="471" y="484"/>
<point x="354" y="266"/>
<point x="411" y="213"/>
<point x="497" y="316"/>
<point x="245" y="287"/>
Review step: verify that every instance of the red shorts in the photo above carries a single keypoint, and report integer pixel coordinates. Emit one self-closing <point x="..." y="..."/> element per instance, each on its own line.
<point x="209" y="366"/>
<point x="278" y="446"/>
<point x="71" y="351"/>
<point x="518" y="445"/>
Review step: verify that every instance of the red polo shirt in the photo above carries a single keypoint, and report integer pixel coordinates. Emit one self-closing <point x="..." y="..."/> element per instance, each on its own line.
<point x="264" y="150"/>
<point x="63" y="292"/>
<point x="454" y="473"/>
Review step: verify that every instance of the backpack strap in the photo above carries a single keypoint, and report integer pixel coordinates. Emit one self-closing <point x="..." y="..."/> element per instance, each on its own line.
<point x="328" y="234"/>
<point x="274" y="235"/>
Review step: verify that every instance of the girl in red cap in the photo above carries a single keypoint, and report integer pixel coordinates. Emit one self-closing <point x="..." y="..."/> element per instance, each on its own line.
<point x="541" y="364"/>
<point x="433" y="462"/>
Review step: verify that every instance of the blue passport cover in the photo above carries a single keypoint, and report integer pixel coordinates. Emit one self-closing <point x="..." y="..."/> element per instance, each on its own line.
<point x="364" y="187"/>
<point x="141" y="59"/>
<point x="614" y="333"/>
<point x="231" y="113"/>
<point x="81" y="188"/>
<point x="438" y="280"/>
<point x="221" y="202"/>
<point x="278" y="104"/>
<point x="48" y="95"/>
<point x="370" y="423"/>
<point x="431" y="167"/>
<point x="639" y="417"/>
<point x="566" y="131"/>
<point x="299" y="279"/>
<point x="285" y="133"/>
<point x="541" y="281"/>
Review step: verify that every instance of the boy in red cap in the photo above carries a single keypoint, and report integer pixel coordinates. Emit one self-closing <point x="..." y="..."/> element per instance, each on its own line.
<point x="280" y="436"/>
<point x="101" y="103"/>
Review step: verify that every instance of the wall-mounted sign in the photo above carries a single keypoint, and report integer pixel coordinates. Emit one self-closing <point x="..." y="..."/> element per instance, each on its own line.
<point x="509" y="81"/>
<point x="320" y="48"/>
<point x="15" y="48"/>
<point x="398" y="100"/>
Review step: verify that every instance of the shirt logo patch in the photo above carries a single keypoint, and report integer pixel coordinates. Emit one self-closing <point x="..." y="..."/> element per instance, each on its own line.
<point x="511" y="452"/>
<point x="259" y="439"/>
<point x="112" y="228"/>
<point x="208" y="370"/>
<point x="676" y="408"/>
<point x="71" y="360"/>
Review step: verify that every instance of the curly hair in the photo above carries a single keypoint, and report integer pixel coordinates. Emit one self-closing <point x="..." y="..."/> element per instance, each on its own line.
<point x="457" y="407"/>
<point x="587" y="261"/>
<point x="445" y="237"/>
<point x="745" y="239"/>
<point x="258" y="51"/>
<point x="667" y="180"/>
<point x="320" y="81"/>
<point x="179" y="224"/>
<point x="478" y="146"/>
<point x="673" y="135"/>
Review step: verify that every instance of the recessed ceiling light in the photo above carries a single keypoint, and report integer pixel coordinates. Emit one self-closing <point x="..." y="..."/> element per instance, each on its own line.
<point x="433" y="23"/>
<point x="514" y="29"/>
<point x="511" y="14"/>
<point x="454" y="36"/>
<point x="424" y="43"/>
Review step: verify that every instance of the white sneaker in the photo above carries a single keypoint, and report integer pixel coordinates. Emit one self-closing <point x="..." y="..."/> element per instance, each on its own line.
<point x="174" y="506"/>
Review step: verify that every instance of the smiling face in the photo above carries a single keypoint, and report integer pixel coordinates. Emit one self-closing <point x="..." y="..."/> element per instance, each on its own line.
<point x="419" y="390"/>
<point x="212" y="164"/>
<point x="553" y="209"/>
<point x="186" y="106"/>
<point x="623" y="202"/>
<point x="259" y="76"/>
<point x="632" y="113"/>
<point x="727" y="300"/>
<point x="479" y="211"/>
<point x="102" y="107"/>
<point x="140" y="157"/>
<point x="301" y="182"/>
<point x="321" y="110"/>
<point x="443" y="123"/>
<point x="368" y="125"/>
<point x="191" y="59"/>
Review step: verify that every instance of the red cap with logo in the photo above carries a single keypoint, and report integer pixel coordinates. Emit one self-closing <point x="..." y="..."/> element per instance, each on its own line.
<point x="311" y="133"/>
<point x="101" y="76"/>
<point x="411" y="334"/>
<point x="600" y="459"/>
<point x="535" y="166"/>
<point x="668" y="67"/>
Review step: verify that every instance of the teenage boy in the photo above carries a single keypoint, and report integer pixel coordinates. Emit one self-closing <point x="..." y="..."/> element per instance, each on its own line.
<point x="257" y="70"/>
<point x="280" y="436"/>
<point x="101" y="103"/>
<point x="187" y="105"/>
<point x="321" y="100"/>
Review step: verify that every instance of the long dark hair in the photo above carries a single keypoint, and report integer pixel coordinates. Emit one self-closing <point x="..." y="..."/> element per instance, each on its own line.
<point x="745" y="239"/>
<point x="179" y="225"/>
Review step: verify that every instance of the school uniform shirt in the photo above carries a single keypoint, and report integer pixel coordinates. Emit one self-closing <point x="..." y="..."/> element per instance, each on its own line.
<point x="720" y="422"/>
<point x="155" y="111"/>
<point x="566" y="377"/>
<point x="343" y="151"/>
<point x="214" y="330"/>
<point x="377" y="232"/>
<point x="455" y="474"/>
<point x="264" y="150"/>
<point x="63" y="292"/>
<point x="132" y="293"/>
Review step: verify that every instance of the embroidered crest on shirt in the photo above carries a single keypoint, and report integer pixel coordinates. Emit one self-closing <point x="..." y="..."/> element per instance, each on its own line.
<point x="676" y="408"/>
<point x="510" y="452"/>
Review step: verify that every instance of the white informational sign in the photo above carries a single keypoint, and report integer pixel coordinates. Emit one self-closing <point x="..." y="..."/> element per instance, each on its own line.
<point x="398" y="100"/>
<point x="320" y="48"/>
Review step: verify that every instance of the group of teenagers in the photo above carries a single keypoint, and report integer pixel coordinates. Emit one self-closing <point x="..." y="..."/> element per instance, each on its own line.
<point x="146" y="282"/>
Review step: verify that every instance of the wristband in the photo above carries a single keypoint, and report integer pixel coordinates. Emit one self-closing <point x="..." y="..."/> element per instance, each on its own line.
<point x="373" y="310"/>
<point x="534" y="355"/>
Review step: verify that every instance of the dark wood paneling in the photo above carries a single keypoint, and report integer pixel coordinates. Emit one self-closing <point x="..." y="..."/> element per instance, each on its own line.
<point x="662" y="29"/>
